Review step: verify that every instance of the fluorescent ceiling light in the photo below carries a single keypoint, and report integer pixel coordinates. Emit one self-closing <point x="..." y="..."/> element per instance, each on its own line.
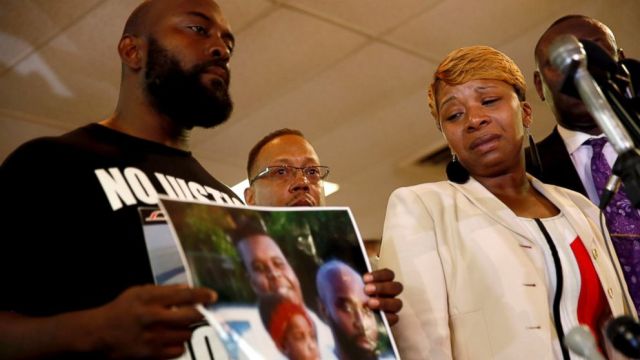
<point x="239" y="188"/>
<point x="329" y="188"/>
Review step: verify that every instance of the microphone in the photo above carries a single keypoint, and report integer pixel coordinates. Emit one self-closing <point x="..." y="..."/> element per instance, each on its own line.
<point x="568" y="56"/>
<point x="624" y="334"/>
<point x="580" y="341"/>
<point x="609" y="190"/>
<point x="600" y="65"/>
<point x="616" y="82"/>
<point x="633" y="68"/>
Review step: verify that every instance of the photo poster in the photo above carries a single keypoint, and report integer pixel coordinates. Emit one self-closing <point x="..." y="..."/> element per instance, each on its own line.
<point x="168" y="268"/>
<point x="164" y="256"/>
<point x="263" y="263"/>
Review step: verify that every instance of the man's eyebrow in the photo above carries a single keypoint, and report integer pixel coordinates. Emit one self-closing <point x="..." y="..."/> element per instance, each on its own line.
<point x="227" y="35"/>
<point x="199" y="14"/>
<point x="289" y="161"/>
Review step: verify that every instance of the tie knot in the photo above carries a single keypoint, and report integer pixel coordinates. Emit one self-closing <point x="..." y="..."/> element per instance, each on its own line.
<point x="596" y="143"/>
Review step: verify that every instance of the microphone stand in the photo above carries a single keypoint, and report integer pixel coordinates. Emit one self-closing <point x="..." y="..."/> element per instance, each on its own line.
<point x="628" y="113"/>
<point x="614" y="81"/>
<point x="627" y="166"/>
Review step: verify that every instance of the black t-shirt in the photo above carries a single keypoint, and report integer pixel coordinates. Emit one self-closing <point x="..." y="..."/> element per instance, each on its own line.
<point x="72" y="237"/>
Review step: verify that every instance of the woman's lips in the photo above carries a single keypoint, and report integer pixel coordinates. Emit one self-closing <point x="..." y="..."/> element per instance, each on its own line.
<point x="484" y="141"/>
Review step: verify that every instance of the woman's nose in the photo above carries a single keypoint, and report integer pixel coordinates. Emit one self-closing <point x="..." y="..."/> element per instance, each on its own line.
<point x="476" y="118"/>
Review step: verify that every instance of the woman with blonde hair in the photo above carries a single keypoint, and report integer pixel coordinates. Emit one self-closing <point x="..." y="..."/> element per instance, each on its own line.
<point x="495" y="264"/>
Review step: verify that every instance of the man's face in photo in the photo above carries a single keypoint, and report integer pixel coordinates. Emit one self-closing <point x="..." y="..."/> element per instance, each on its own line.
<point x="268" y="269"/>
<point x="352" y="322"/>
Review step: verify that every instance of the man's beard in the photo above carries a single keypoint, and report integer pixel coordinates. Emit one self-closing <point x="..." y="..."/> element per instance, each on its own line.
<point x="348" y="343"/>
<point x="180" y="93"/>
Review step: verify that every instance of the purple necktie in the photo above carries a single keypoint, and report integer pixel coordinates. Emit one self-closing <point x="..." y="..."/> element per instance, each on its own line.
<point x="622" y="218"/>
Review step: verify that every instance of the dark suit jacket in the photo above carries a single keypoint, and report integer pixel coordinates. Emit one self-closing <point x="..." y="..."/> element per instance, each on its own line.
<point x="556" y="165"/>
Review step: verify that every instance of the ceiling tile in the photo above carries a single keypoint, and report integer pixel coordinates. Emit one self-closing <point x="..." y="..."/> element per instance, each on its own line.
<point x="241" y="14"/>
<point x="77" y="94"/>
<point x="372" y="78"/>
<point x="25" y="25"/>
<point x="372" y="17"/>
<point x="622" y="17"/>
<point x="389" y="135"/>
<point x="456" y="23"/>
<point x="272" y="58"/>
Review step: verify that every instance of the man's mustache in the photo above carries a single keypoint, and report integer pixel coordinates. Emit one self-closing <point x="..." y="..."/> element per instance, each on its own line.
<point x="215" y="63"/>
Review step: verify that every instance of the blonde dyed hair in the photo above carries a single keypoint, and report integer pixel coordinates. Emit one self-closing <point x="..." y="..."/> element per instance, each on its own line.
<point x="475" y="63"/>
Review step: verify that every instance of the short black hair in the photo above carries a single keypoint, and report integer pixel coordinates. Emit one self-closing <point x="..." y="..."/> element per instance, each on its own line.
<point x="562" y="20"/>
<point x="246" y="223"/>
<point x="255" y="150"/>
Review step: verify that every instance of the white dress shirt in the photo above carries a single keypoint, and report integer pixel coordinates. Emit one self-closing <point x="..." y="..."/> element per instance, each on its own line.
<point x="581" y="153"/>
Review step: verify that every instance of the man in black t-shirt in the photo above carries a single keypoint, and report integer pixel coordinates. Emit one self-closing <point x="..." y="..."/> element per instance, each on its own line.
<point x="74" y="264"/>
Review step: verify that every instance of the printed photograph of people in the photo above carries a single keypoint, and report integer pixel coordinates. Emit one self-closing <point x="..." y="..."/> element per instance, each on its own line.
<point x="289" y="280"/>
<point x="290" y="327"/>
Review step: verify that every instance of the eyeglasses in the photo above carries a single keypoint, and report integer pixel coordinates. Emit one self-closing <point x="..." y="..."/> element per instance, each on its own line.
<point x="286" y="173"/>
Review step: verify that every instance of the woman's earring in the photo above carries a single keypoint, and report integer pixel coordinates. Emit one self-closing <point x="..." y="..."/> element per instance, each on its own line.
<point x="456" y="172"/>
<point x="536" y="164"/>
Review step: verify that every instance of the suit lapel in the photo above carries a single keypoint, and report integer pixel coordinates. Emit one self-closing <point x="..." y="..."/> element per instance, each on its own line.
<point x="498" y="211"/>
<point x="492" y="207"/>
<point x="557" y="167"/>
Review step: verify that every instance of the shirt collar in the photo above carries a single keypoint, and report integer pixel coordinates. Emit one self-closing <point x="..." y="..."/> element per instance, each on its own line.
<point x="574" y="139"/>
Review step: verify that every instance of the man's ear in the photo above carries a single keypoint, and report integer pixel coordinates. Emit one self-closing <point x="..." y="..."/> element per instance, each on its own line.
<point x="537" y="80"/>
<point x="249" y="196"/>
<point x="131" y="50"/>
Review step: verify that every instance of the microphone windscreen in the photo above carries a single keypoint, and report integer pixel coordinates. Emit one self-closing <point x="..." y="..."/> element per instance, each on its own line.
<point x="580" y="340"/>
<point x="564" y="51"/>
<point x="599" y="62"/>
<point x="624" y="334"/>
<point x="566" y="55"/>
<point x="633" y="66"/>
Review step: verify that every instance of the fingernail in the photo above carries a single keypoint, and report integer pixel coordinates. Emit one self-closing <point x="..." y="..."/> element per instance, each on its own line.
<point x="369" y="288"/>
<point x="374" y="303"/>
<point x="367" y="277"/>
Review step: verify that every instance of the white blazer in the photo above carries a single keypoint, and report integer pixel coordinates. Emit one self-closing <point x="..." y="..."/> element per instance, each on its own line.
<point x="461" y="255"/>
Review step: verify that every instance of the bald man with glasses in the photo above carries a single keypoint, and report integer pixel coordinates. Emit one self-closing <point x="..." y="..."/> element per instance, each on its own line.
<point x="284" y="170"/>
